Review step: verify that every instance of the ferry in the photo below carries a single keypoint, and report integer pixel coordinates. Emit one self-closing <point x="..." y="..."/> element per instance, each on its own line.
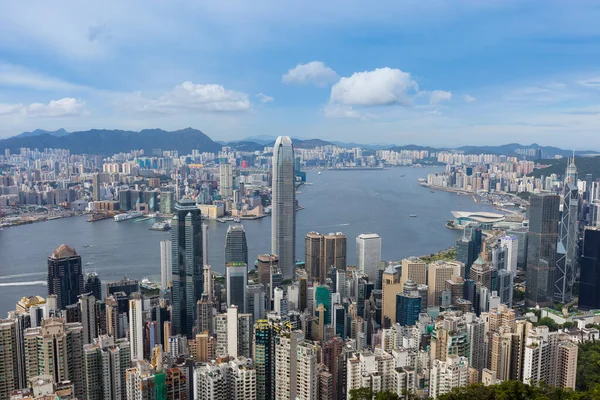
<point x="319" y="173"/>
<point x="413" y="215"/>
<point x="237" y="220"/>
<point x="125" y="217"/>
<point x="161" y="226"/>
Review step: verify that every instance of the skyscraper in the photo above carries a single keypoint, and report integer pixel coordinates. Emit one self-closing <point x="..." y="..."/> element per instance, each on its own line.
<point x="283" y="206"/>
<point x="225" y="180"/>
<point x="96" y="187"/>
<point x="87" y="307"/>
<point x="264" y="359"/>
<point x="105" y="364"/>
<point x="324" y="252"/>
<point x="368" y="254"/>
<point x="589" y="295"/>
<point x="65" y="276"/>
<point x="567" y="252"/>
<point x="166" y="264"/>
<point x="541" y="247"/>
<point x="236" y="247"/>
<point x="265" y="263"/>
<point x="186" y="243"/>
<point x="136" y="329"/>
<point x="237" y="280"/>
<point x="93" y="285"/>
<point x="408" y="307"/>
<point x="9" y="372"/>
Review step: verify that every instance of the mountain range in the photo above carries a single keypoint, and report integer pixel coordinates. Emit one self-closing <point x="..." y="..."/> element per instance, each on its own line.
<point x="108" y="142"/>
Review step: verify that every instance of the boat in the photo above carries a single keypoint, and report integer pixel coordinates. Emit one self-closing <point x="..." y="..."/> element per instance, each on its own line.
<point x="319" y="173"/>
<point x="161" y="226"/>
<point x="413" y="215"/>
<point x="85" y="246"/>
<point x="126" y="216"/>
<point x="237" y="220"/>
<point x="432" y="191"/>
<point x="221" y="220"/>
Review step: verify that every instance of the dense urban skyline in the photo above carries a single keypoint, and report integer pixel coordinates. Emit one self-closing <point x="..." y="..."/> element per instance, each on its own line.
<point x="445" y="72"/>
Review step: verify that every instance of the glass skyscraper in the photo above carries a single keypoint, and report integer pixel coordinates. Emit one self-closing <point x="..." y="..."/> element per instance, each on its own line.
<point x="283" y="206"/>
<point x="589" y="282"/>
<point x="186" y="240"/>
<point x="541" y="247"/>
<point x="237" y="280"/>
<point x="408" y="307"/>
<point x="65" y="276"/>
<point x="236" y="246"/>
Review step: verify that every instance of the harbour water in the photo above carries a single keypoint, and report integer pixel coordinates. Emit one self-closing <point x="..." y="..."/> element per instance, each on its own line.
<point x="352" y="202"/>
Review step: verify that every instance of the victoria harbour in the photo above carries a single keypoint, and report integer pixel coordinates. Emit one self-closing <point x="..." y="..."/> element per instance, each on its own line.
<point x="351" y="202"/>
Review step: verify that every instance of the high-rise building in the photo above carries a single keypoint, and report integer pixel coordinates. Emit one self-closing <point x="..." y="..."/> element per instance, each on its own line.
<point x="56" y="349"/>
<point x="475" y="328"/>
<point x="136" y="329"/>
<point x="9" y="371"/>
<point x="166" y="264"/>
<point x="295" y="367"/>
<point x="567" y="248"/>
<point x="186" y="242"/>
<point x="127" y="286"/>
<point x="283" y="206"/>
<point x="87" y="307"/>
<point x="265" y="263"/>
<point x="93" y="285"/>
<point x="105" y="364"/>
<point x="233" y="332"/>
<point x="237" y="280"/>
<point x="255" y="301"/>
<point x="481" y="273"/>
<point x="140" y="381"/>
<point x="96" y="187"/>
<point x="447" y="375"/>
<point x="225" y="180"/>
<point x="368" y="254"/>
<point x="437" y="275"/>
<point x="541" y="248"/>
<point x="323" y="296"/>
<point x="511" y="243"/>
<point x="323" y="252"/>
<point x="414" y="269"/>
<point x="589" y="282"/>
<point x="408" y="307"/>
<point x="65" y="276"/>
<point x="204" y="319"/>
<point x="391" y="284"/>
<point x="236" y="247"/>
<point x="232" y="380"/>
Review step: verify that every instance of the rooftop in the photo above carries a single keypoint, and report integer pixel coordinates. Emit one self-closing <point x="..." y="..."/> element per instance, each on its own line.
<point x="63" y="251"/>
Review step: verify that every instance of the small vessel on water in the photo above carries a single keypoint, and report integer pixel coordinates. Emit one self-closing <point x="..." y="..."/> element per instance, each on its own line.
<point x="126" y="216"/>
<point x="413" y="215"/>
<point x="237" y="220"/>
<point x="161" y="226"/>
<point x="319" y="173"/>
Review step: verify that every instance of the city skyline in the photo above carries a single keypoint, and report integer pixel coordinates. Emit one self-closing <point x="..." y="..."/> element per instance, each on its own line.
<point x="446" y="72"/>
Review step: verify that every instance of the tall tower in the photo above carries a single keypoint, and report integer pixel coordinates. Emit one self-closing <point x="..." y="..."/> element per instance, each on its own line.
<point x="136" y="329"/>
<point x="236" y="246"/>
<point x="8" y="357"/>
<point x="237" y="279"/>
<point x="166" y="264"/>
<point x="368" y="254"/>
<point x="225" y="180"/>
<point x="65" y="276"/>
<point x="283" y="206"/>
<point x="541" y="247"/>
<point x="93" y="285"/>
<point x="186" y="243"/>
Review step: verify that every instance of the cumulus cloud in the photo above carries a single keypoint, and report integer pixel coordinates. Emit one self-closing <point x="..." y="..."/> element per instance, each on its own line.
<point x="65" y="107"/>
<point x="190" y="96"/>
<point x="437" y="96"/>
<point x="378" y="87"/>
<point x="264" y="98"/>
<point x="469" y="98"/>
<point x="314" y="72"/>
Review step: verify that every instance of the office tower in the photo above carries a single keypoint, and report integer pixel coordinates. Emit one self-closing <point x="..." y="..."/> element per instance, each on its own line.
<point x="209" y="288"/>
<point x="204" y="320"/>
<point x="368" y="254"/>
<point x="481" y="273"/>
<point x="255" y="301"/>
<point x="437" y="275"/>
<point x="65" y="343"/>
<point x="276" y="281"/>
<point x="237" y="280"/>
<point x="279" y="302"/>
<point x="323" y="252"/>
<point x="549" y="357"/>
<point x="205" y="244"/>
<point x="511" y="243"/>
<point x="236" y="247"/>
<point x="283" y="206"/>
<point x="323" y="296"/>
<point x="87" y="307"/>
<point x="225" y="180"/>
<point x="140" y="381"/>
<point x="415" y="269"/>
<point x="505" y="287"/>
<point x="265" y="334"/>
<point x="447" y="375"/>
<point x="589" y="295"/>
<point x="93" y="285"/>
<point x="186" y="242"/>
<point x="127" y="286"/>
<point x="464" y="252"/>
<point x="541" y="248"/>
<point x="335" y="250"/>
<point x="391" y="284"/>
<point x="166" y="202"/>
<point x="136" y="329"/>
<point x="166" y="264"/>
<point x="9" y="371"/>
<point x="339" y="320"/>
<point x="408" y="307"/>
<point x="265" y="263"/>
<point x="567" y="248"/>
<point x="96" y="187"/>
<point x="105" y="363"/>
<point x="341" y="284"/>
<point x="65" y="276"/>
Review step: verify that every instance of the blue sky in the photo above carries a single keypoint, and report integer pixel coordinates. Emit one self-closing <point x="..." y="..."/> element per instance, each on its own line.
<point x="424" y="72"/>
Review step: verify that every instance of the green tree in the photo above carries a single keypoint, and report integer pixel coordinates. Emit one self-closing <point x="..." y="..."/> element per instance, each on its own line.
<point x="361" y="394"/>
<point x="549" y="322"/>
<point x="387" y="396"/>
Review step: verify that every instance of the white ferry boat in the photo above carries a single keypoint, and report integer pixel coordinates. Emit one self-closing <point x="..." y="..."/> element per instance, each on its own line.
<point x="125" y="217"/>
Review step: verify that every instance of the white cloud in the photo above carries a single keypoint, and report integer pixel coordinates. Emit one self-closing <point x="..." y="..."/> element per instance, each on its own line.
<point x="469" y="99"/>
<point x="264" y="98"/>
<point x="315" y="72"/>
<point x="17" y="76"/>
<point x="437" y="96"/>
<point x="341" y="111"/>
<point x="378" y="87"/>
<point x="435" y="112"/>
<point x="590" y="83"/>
<point x="190" y="96"/>
<point x="66" y="107"/>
